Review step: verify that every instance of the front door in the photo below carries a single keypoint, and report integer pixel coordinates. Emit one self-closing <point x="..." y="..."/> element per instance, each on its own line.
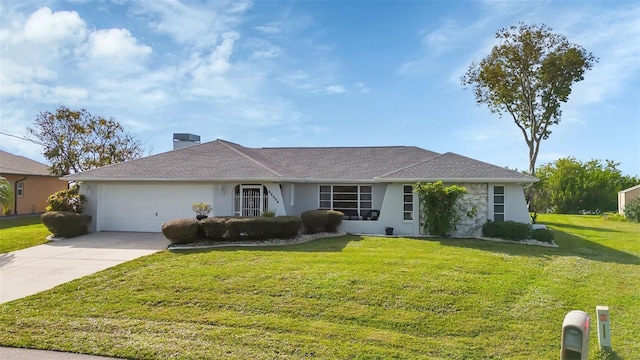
<point x="251" y="197"/>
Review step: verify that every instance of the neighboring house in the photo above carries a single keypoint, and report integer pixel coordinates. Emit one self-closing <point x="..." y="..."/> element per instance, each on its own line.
<point x="362" y="182"/>
<point x="32" y="183"/>
<point x="626" y="196"/>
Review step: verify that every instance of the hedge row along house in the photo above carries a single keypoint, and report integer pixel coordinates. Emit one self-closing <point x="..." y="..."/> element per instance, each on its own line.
<point x="372" y="186"/>
<point x="32" y="183"/>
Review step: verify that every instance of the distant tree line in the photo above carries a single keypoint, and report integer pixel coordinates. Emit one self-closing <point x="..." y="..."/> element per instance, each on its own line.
<point x="570" y="186"/>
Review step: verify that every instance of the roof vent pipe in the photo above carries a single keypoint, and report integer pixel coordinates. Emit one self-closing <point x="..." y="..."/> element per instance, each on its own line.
<point x="185" y="140"/>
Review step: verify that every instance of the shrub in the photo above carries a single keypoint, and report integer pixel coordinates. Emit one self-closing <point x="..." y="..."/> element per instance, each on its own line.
<point x="316" y="221"/>
<point x="334" y="219"/>
<point x="509" y="230"/>
<point x="181" y="231"/>
<point x="213" y="228"/>
<point x="632" y="210"/>
<point x="66" y="200"/>
<point x="269" y="213"/>
<point x="437" y="204"/>
<point x="261" y="228"/>
<point x="615" y="217"/>
<point x="201" y="208"/>
<point x="66" y="224"/>
<point x="544" y="235"/>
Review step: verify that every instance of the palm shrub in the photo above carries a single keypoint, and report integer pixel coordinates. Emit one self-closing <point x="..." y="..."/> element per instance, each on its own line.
<point x="632" y="210"/>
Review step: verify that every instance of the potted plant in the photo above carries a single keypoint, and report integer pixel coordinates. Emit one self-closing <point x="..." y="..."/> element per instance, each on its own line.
<point x="201" y="209"/>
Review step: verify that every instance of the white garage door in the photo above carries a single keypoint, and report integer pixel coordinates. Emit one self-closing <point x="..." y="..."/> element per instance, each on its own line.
<point x="145" y="207"/>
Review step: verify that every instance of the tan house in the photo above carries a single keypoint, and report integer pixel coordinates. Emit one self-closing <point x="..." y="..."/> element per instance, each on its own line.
<point x="626" y="196"/>
<point x="32" y="183"/>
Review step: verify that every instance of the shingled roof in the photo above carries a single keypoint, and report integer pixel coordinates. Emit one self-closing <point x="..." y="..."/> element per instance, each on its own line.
<point x="20" y="165"/>
<point x="222" y="160"/>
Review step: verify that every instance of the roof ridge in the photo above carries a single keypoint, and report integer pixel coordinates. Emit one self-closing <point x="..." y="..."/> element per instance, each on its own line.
<point x="412" y="165"/>
<point x="338" y="147"/>
<point x="228" y="145"/>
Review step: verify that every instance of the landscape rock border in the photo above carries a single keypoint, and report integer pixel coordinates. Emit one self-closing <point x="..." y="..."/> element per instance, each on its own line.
<point x="211" y="244"/>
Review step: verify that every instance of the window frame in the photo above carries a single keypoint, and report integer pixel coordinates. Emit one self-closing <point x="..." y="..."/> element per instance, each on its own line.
<point x="502" y="203"/>
<point x="363" y="199"/>
<point x="20" y="188"/>
<point x="405" y="203"/>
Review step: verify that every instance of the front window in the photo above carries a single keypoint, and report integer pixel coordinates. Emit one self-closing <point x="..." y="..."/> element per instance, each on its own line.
<point x="20" y="188"/>
<point x="498" y="203"/>
<point x="352" y="200"/>
<point x="408" y="203"/>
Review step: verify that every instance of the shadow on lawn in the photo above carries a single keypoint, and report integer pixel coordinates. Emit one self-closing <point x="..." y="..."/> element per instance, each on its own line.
<point x="569" y="245"/>
<point x="331" y="244"/>
<point x="578" y="227"/>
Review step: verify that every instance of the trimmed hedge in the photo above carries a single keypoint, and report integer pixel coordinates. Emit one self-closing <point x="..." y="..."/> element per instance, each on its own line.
<point x="261" y="228"/>
<point x="544" y="235"/>
<point x="212" y="228"/>
<point x="66" y="224"/>
<point x="512" y="230"/>
<point x="231" y="228"/>
<point x="316" y="221"/>
<point x="181" y="231"/>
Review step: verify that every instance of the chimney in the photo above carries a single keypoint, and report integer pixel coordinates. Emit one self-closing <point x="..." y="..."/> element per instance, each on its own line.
<point x="185" y="140"/>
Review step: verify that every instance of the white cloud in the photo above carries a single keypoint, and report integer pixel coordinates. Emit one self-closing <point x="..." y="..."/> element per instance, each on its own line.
<point x="443" y="38"/>
<point x="45" y="26"/>
<point x="362" y="87"/>
<point x="69" y="95"/>
<point x="115" y="43"/>
<point x="270" y="29"/>
<point x="216" y="63"/>
<point x="335" y="89"/>
<point x="198" y="25"/>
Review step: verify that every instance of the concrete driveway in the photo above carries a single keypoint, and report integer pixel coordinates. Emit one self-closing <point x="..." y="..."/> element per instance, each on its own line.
<point x="29" y="271"/>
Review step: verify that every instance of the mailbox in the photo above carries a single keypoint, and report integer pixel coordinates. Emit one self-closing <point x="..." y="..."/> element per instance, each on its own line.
<point x="575" y="336"/>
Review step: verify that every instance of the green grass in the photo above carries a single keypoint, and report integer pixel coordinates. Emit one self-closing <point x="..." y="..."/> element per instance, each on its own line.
<point x="21" y="232"/>
<point x="347" y="297"/>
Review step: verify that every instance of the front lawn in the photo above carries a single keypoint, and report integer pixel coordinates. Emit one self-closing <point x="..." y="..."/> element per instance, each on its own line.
<point x="21" y="232"/>
<point x="347" y="297"/>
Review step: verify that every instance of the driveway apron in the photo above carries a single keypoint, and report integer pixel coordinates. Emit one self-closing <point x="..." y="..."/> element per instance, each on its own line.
<point x="35" y="269"/>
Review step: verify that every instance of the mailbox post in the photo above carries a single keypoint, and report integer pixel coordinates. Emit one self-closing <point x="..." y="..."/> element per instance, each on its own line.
<point x="575" y="336"/>
<point x="604" y="327"/>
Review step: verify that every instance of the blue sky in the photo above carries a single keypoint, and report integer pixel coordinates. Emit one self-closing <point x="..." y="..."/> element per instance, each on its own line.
<point x="312" y="73"/>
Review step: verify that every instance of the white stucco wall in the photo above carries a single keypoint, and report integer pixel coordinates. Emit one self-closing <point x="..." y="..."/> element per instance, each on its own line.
<point x="515" y="205"/>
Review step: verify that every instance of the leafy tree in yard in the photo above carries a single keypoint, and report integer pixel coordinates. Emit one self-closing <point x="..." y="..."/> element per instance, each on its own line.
<point x="528" y="75"/>
<point x="75" y="140"/>
<point x="6" y="194"/>
<point x="575" y="187"/>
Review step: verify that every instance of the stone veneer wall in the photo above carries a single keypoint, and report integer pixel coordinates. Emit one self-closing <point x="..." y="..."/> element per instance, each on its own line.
<point x="477" y="197"/>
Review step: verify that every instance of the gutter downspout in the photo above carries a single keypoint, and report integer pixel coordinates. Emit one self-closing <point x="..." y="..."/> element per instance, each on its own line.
<point x="15" y="195"/>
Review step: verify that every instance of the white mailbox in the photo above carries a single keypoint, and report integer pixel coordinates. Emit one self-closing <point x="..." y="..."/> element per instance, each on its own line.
<point x="575" y="336"/>
<point x="604" y="327"/>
